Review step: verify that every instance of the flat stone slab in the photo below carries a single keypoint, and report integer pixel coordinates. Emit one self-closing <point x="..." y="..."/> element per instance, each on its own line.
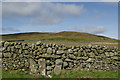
<point x="33" y="66"/>
<point x="42" y="66"/>
<point x="57" y="69"/>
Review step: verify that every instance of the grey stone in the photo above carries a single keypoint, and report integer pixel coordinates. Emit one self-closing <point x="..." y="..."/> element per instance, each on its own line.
<point x="89" y="60"/>
<point x="49" y="68"/>
<point x="60" y="52"/>
<point x="116" y="53"/>
<point x="18" y="46"/>
<point x="14" y="55"/>
<point x="6" y="44"/>
<point x="65" y="64"/>
<point x="111" y="54"/>
<point x="107" y="54"/>
<point x="21" y="55"/>
<point x="33" y="68"/>
<point x="58" y="61"/>
<point x="70" y="65"/>
<point x="75" y="53"/>
<point x="48" y="62"/>
<point x="91" y="55"/>
<point x="54" y="51"/>
<point x="89" y="46"/>
<point x="1" y="55"/>
<point x="49" y="50"/>
<point x="70" y="51"/>
<point x="38" y="43"/>
<point x="26" y="52"/>
<point x="115" y="57"/>
<point x="98" y="57"/>
<point x="57" y="69"/>
<point x="2" y="49"/>
<point x="68" y="60"/>
<point x="7" y="55"/>
<point x="72" y="56"/>
<point x="42" y="66"/>
<point x="49" y="72"/>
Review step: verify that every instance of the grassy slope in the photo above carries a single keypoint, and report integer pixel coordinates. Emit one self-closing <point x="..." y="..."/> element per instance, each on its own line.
<point x="66" y="35"/>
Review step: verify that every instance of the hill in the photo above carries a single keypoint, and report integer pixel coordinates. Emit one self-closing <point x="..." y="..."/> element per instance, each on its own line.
<point x="63" y="36"/>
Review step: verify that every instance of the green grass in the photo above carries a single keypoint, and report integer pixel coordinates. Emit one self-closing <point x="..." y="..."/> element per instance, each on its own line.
<point x="66" y="35"/>
<point x="15" y="74"/>
<point x="64" y="74"/>
<point x="87" y="74"/>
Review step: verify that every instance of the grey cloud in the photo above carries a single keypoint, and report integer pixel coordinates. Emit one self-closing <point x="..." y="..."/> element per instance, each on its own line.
<point x="110" y="0"/>
<point x="42" y="13"/>
<point x="92" y="29"/>
<point x="9" y="29"/>
<point x="0" y="9"/>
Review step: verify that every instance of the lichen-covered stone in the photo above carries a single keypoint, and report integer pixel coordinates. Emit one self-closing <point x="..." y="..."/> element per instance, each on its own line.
<point x="42" y="66"/>
<point x="70" y="51"/>
<point x="111" y="54"/>
<point x="91" y="54"/>
<point x="60" y="52"/>
<point x="107" y="54"/>
<point x="33" y="68"/>
<point x="38" y="43"/>
<point x="1" y="55"/>
<point x="7" y="55"/>
<point x="70" y="65"/>
<point x="68" y="60"/>
<point x="6" y="44"/>
<point x="115" y="58"/>
<point x="72" y="56"/>
<point x="58" y="61"/>
<point x="49" y="72"/>
<point x="57" y="69"/>
<point x="65" y="64"/>
<point x="75" y="53"/>
<point x="49" y="50"/>
<point x="49" y="68"/>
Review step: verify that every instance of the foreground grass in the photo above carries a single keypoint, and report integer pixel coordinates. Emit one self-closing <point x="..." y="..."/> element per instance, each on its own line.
<point x="17" y="74"/>
<point x="64" y="74"/>
<point x="87" y="74"/>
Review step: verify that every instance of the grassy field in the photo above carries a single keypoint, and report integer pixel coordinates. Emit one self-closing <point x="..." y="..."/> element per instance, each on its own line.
<point x="64" y="74"/>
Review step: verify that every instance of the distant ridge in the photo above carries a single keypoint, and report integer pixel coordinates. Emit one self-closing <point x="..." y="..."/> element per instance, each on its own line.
<point x="65" y="35"/>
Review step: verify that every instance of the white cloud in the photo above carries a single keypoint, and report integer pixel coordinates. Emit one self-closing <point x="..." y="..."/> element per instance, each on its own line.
<point x="42" y="13"/>
<point x="92" y="29"/>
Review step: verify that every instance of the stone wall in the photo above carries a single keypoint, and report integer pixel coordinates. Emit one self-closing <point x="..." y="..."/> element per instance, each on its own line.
<point x="44" y="59"/>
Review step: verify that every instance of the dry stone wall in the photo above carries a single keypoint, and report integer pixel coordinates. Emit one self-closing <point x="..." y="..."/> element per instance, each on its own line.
<point x="44" y="59"/>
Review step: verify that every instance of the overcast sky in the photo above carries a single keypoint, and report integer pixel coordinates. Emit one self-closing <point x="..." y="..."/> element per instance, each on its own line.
<point x="99" y="18"/>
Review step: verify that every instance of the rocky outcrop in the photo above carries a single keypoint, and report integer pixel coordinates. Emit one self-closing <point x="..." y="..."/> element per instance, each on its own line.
<point x="45" y="59"/>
